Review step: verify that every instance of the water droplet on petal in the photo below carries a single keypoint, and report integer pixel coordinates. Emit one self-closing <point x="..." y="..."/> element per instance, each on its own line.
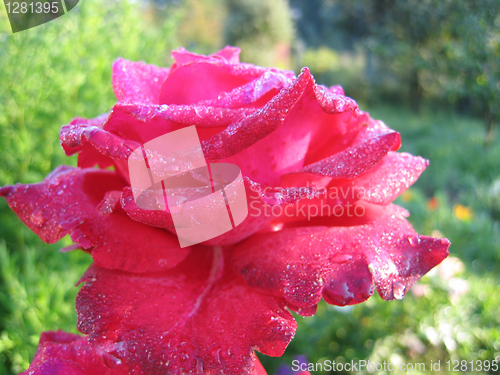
<point x="398" y="290"/>
<point x="414" y="240"/>
<point x="40" y="216"/>
<point x="111" y="361"/>
<point x="340" y="258"/>
<point x="199" y="365"/>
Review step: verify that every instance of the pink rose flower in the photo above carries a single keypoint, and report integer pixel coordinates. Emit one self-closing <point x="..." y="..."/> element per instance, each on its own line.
<point x="320" y="177"/>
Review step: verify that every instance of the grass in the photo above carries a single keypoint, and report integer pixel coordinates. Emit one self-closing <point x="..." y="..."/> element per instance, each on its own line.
<point x="50" y="74"/>
<point x="37" y="294"/>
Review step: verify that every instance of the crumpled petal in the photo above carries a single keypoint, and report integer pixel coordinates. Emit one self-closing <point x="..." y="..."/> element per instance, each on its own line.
<point x="95" y="145"/>
<point x="137" y="82"/>
<point x="340" y="264"/>
<point x="199" y="317"/>
<point x="85" y="204"/>
<point x="73" y="141"/>
<point x="66" y="354"/>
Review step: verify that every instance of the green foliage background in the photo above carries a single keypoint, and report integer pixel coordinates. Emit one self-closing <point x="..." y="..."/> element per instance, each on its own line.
<point x="49" y="75"/>
<point x="62" y="69"/>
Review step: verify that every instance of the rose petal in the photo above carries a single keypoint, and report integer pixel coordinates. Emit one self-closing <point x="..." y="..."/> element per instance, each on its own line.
<point x="69" y="354"/>
<point x="199" y="317"/>
<point x="143" y="123"/>
<point x="163" y="219"/>
<point x="395" y="173"/>
<point x="204" y="80"/>
<point x="78" y="202"/>
<point x="110" y="138"/>
<point x="336" y="89"/>
<point x="336" y="133"/>
<point x="73" y="141"/>
<point x="357" y="159"/>
<point x="339" y="263"/>
<point x="95" y="145"/>
<point x="378" y="178"/>
<point x="258" y="369"/>
<point x="230" y="55"/>
<point x="255" y="93"/>
<point x="137" y="82"/>
<point x="71" y="146"/>
<point x="65" y="353"/>
<point x="249" y="226"/>
<point x="160" y="219"/>
<point x="50" y="208"/>
<point x="332" y="101"/>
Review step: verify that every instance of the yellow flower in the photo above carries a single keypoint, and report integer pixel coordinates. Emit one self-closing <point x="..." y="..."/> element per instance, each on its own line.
<point x="407" y="196"/>
<point x="463" y="213"/>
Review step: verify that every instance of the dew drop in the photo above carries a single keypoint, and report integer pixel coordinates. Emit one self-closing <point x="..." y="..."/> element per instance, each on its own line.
<point x="199" y="365"/>
<point x="39" y="216"/>
<point x="398" y="290"/>
<point x="111" y="361"/>
<point x="414" y="240"/>
<point x="340" y="258"/>
<point x="216" y="354"/>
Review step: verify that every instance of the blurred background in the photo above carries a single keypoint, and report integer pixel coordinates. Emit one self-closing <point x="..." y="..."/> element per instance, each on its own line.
<point x="428" y="68"/>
